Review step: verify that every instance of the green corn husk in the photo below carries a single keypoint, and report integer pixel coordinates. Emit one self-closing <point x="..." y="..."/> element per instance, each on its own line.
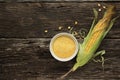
<point x="95" y="36"/>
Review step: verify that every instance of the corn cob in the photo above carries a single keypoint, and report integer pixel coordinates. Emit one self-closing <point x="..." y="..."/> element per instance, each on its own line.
<point x="96" y="34"/>
<point x="94" y="37"/>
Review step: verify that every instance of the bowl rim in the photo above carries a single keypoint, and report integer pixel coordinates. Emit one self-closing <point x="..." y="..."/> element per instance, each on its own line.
<point x="63" y="59"/>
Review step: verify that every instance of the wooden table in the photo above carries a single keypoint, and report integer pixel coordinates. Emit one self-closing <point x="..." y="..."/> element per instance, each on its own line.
<point x="25" y="33"/>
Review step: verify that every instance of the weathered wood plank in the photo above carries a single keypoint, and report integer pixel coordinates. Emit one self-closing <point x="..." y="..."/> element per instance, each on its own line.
<point x="15" y="43"/>
<point x="44" y="69"/>
<point x="30" y="20"/>
<point x="15" y="50"/>
<point x="50" y="69"/>
<point x="44" y="43"/>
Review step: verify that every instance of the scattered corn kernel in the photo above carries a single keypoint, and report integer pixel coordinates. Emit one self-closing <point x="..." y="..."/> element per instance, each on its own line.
<point x="69" y="27"/>
<point x="60" y="28"/>
<point x="46" y="31"/>
<point x="99" y="9"/>
<point x="76" y="22"/>
<point x="99" y="4"/>
<point x="104" y="7"/>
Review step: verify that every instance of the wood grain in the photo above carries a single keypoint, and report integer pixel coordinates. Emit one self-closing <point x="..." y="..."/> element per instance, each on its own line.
<point x="30" y="20"/>
<point x="30" y="59"/>
<point x="51" y="70"/>
<point x="24" y="46"/>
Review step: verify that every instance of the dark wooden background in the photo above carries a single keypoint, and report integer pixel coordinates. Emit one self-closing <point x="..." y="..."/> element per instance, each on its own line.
<point x="24" y="45"/>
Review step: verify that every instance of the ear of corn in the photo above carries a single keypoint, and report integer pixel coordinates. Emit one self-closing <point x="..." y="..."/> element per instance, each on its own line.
<point x="96" y="34"/>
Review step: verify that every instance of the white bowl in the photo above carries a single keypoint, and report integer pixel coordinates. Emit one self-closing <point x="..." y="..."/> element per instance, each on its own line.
<point x="64" y="59"/>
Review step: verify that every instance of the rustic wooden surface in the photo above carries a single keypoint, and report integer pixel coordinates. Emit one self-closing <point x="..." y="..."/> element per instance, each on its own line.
<point x="24" y="46"/>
